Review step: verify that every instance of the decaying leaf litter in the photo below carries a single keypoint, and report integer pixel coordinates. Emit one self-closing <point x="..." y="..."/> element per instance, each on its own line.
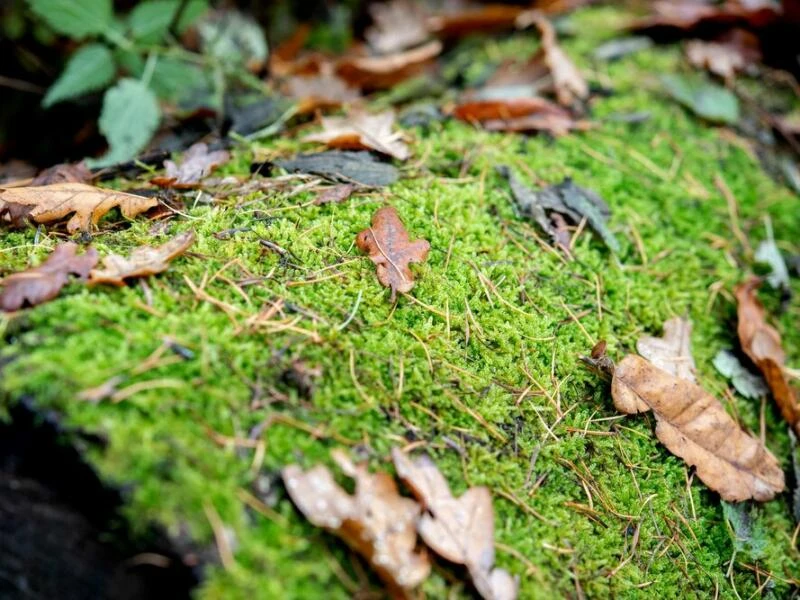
<point x="761" y="476"/>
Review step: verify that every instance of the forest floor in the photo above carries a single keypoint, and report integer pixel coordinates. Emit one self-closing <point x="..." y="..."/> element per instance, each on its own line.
<point x="478" y="365"/>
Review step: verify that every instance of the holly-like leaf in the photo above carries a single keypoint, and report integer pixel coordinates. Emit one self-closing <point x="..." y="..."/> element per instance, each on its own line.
<point x="50" y="203"/>
<point x="75" y="18"/>
<point x="142" y="262"/>
<point x="389" y="247"/>
<point x="362" y="131"/>
<point x="150" y="20"/>
<point x="43" y="283"/>
<point x="671" y="353"/>
<point x="762" y="344"/>
<point x="129" y="119"/>
<point x="376" y="521"/>
<point x="458" y="529"/>
<point x="91" y="68"/>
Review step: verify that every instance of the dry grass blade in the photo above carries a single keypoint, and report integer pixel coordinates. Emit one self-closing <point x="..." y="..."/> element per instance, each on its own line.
<point x="376" y="521"/>
<point x="762" y="344"/>
<point x="50" y="203"/>
<point x="389" y="247"/>
<point x="671" y="353"/>
<point x="458" y="529"/>
<point x="142" y="262"/>
<point x="43" y="283"/>
<point x="693" y="425"/>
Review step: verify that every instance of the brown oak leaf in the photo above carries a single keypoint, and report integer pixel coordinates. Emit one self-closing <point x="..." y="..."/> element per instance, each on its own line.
<point x="50" y="203"/>
<point x="375" y="521"/>
<point x="362" y="131"/>
<point x="142" y="262"/>
<point x="40" y="284"/>
<point x="63" y="173"/>
<point x="458" y="529"/>
<point x="388" y="246"/>
<point x="762" y="344"/>
<point x="382" y="72"/>
<point x="196" y="164"/>
<point x="320" y="91"/>
<point x="673" y="352"/>
<point x="694" y="426"/>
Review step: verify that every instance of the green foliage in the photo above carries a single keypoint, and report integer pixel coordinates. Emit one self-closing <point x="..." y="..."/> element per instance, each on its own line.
<point x="149" y="21"/>
<point x="173" y="78"/>
<point x="747" y="531"/>
<point x="706" y="99"/>
<point x="234" y="39"/>
<point x="75" y="18"/>
<point x="129" y="118"/>
<point x="91" y="68"/>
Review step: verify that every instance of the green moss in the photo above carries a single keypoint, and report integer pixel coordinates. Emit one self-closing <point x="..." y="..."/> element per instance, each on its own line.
<point x="483" y="367"/>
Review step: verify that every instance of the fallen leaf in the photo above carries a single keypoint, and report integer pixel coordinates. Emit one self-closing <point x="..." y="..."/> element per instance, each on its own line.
<point x="671" y="353"/>
<point x="570" y="86"/>
<point x="746" y="383"/>
<point x="480" y="109"/>
<point x="396" y="26"/>
<point x="40" y="284"/>
<point x="762" y="344"/>
<point x="748" y="533"/>
<point x="360" y="167"/>
<point x="320" y="92"/>
<point x="694" y="426"/>
<point x="461" y="529"/>
<point x="142" y="262"/>
<point x="282" y="57"/>
<point x="769" y="253"/>
<point x="565" y="198"/>
<point x="49" y="203"/>
<point x="381" y="72"/>
<point x="375" y="521"/>
<point x="707" y="100"/>
<point x="63" y="173"/>
<point x="688" y="16"/>
<point x="335" y="193"/>
<point x="728" y="55"/>
<point x="388" y="246"/>
<point x="362" y="131"/>
<point x="477" y="18"/>
<point x="196" y="164"/>
<point x="554" y="124"/>
<point x="619" y="48"/>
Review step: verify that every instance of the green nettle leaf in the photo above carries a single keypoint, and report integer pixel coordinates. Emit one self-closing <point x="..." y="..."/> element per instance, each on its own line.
<point x="706" y="99"/>
<point x="90" y="68"/>
<point x="175" y="79"/>
<point x="75" y="18"/>
<point x="129" y="118"/>
<point x="150" y="20"/>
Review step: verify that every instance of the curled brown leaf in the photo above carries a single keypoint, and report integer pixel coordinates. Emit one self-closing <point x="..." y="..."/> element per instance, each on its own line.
<point x="142" y="262"/>
<point x="762" y="344"/>
<point x="381" y="72"/>
<point x="389" y="247"/>
<point x="40" y="284"/>
<point x="362" y="131"/>
<point x="197" y="163"/>
<point x="672" y="352"/>
<point x="375" y="521"/>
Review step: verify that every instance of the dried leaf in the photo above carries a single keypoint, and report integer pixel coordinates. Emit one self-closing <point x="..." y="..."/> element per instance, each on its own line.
<point x="720" y="59"/>
<point x="671" y="353"/>
<point x="694" y="426"/>
<point x="397" y="25"/>
<point x="569" y="84"/>
<point x="359" y="167"/>
<point x="40" y="284"/>
<point x="63" y="173"/>
<point x="196" y="164"/>
<point x="518" y="114"/>
<point x="320" y="91"/>
<point x="762" y="344"/>
<point x="388" y="246"/>
<point x="143" y="261"/>
<point x="50" y="203"/>
<point x="381" y="72"/>
<point x="362" y="131"/>
<point x="769" y="253"/>
<point x="335" y="194"/>
<point x="376" y="521"/>
<point x="688" y="16"/>
<point x="458" y="529"/>
<point x="478" y="18"/>
<point x="746" y="383"/>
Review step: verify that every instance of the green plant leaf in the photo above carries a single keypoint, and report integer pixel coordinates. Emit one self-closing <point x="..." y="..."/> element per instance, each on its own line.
<point x="174" y="79"/>
<point x="235" y="39"/>
<point x="129" y="118"/>
<point x="75" y="18"/>
<point x="150" y="20"/>
<point x="706" y="99"/>
<point x="90" y="68"/>
<point x="747" y="530"/>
